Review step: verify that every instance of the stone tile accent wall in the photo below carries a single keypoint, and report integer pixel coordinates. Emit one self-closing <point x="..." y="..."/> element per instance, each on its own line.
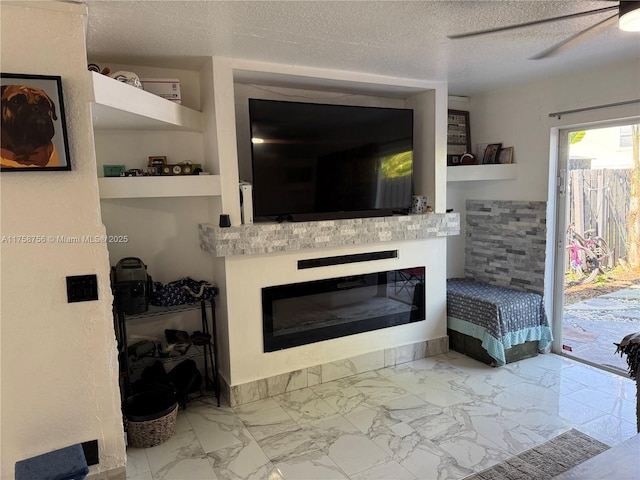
<point x="307" y="377"/>
<point x="505" y="243"/>
<point x="260" y="238"/>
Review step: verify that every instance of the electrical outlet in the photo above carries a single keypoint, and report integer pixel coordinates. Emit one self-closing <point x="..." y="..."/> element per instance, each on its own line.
<point x="82" y="288"/>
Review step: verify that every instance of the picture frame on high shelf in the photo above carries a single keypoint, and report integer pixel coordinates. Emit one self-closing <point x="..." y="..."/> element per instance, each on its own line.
<point x="458" y="136"/>
<point x="453" y="160"/>
<point x="491" y="153"/>
<point x="506" y="155"/>
<point x="34" y="128"/>
<point x="480" y="149"/>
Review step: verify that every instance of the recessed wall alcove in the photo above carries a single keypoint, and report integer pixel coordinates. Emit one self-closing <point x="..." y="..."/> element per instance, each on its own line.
<point x="248" y="258"/>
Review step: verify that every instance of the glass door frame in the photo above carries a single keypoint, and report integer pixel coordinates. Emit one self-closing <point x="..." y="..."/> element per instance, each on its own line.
<point x="557" y="188"/>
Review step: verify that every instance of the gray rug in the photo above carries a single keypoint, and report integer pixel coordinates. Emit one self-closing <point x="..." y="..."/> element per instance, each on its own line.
<point x="547" y="460"/>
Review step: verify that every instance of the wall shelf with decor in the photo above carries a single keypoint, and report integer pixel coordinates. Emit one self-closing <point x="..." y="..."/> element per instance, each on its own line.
<point x="159" y="186"/>
<point x="467" y="173"/>
<point x="121" y="107"/>
<point x="118" y="106"/>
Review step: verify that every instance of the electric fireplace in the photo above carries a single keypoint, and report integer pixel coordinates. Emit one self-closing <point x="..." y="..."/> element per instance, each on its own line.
<point x="303" y="313"/>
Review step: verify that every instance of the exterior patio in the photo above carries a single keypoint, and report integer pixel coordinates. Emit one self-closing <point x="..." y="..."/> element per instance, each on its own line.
<point x="591" y="327"/>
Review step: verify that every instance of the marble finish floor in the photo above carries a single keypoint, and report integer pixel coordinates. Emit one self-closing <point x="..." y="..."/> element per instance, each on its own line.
<point x="442" y="417"/>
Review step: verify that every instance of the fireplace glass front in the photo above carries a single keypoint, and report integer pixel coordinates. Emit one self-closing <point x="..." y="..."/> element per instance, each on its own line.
<point x="303" y="313"/>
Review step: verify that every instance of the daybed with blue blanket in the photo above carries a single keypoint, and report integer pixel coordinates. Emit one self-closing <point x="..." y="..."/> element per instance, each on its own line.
<point x="495" y="325"/>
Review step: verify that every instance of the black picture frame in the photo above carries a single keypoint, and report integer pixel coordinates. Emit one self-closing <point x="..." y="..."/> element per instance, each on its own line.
<point x="458" y="136"/>
<point x="453" y="160"/>
<point x="491" y="153"/>
<point x="45" y="146"/>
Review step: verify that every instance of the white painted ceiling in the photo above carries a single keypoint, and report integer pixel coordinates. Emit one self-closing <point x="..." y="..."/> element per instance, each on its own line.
<point x="398" y="38"/>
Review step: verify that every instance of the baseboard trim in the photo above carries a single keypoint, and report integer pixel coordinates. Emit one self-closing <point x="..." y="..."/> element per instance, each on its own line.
<point x="317" y="374"/>
<point x="119" y="473"/>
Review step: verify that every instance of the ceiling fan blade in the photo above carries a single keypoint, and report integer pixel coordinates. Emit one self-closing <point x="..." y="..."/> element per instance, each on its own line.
<point x="535" y="22"/>
<point x="578" y="37"/>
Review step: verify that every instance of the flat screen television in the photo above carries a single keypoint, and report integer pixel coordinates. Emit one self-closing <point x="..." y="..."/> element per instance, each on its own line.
<point x="317" y="161"/>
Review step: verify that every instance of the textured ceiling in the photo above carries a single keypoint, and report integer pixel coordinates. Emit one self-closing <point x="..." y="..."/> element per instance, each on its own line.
<point x="396" y="38"/>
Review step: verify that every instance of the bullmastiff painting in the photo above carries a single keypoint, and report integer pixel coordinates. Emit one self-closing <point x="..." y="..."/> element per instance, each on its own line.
<point x="33" y="135"/>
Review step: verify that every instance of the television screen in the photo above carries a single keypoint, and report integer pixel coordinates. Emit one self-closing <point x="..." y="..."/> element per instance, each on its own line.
<point x="316" y="161"/>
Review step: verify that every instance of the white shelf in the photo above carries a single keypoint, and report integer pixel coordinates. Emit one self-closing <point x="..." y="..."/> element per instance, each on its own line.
<point x="467" y="173"/>
<point x="158" y="187"/>
<point x="118" y="106"/>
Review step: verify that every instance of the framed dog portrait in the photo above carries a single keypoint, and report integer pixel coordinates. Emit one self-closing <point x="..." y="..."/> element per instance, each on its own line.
<point x="34" y="129"/>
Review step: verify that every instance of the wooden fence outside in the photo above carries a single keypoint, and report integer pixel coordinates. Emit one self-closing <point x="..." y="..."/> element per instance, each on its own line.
<point x="599" y="201"/>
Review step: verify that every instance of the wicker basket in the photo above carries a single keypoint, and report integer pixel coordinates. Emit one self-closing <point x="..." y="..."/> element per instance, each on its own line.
<point x="152" y="432"/>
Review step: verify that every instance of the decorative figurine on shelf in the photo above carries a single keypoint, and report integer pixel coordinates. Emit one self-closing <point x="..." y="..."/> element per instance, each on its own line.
<point x="419" y="204"/>
<point x="129" y="78"/>
<point x="468" y="159"/>
<point x="156" y="164"/>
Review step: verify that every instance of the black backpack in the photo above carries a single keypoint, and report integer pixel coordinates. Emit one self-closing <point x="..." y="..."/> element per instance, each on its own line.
<point x="183" y="379"/>
<point x="186" y="379"/>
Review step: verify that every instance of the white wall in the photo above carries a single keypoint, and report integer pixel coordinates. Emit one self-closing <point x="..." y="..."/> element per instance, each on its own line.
<point x="59" y="360"/>
<point x="519" y="117"/>
<point x="455" y="245"/>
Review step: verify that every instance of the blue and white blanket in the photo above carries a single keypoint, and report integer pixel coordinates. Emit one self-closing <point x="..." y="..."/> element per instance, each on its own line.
<point x="499" y="317"/>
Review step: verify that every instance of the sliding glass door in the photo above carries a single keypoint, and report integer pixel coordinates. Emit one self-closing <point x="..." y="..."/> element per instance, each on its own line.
<point x="597" y="274"/>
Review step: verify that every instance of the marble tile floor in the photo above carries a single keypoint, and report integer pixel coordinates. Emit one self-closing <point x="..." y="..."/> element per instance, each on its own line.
<point x="442" y="417"/>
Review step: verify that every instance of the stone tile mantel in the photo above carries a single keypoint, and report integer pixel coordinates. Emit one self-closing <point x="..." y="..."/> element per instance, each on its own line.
<point x="261" y="238"/>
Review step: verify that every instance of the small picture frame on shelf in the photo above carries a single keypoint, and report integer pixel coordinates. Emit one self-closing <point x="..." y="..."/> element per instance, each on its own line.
<point x="506" y="155"/>
<point x="491" y="153"/>
<point x="33" y="141"/>
<point x="480" y="149"/>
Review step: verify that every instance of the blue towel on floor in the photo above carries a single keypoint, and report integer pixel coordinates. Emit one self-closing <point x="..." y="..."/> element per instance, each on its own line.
<point x="67" y="463"/>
